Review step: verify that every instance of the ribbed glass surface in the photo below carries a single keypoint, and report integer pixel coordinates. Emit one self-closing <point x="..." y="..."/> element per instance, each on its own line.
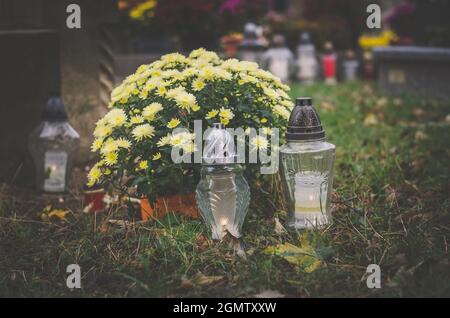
<point x="307" y="173"/>
<point x="223" y="196"/>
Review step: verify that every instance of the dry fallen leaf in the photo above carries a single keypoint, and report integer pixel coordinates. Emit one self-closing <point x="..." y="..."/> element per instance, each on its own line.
<point x="381" y="103"/>
<point x="304" y="256"/>
<point x="420" y="135"/>
<point x="327" y="105"/>
<point x="201" y="280"/>
<point x="48" y="214"/>
<point x="370" y="120"/>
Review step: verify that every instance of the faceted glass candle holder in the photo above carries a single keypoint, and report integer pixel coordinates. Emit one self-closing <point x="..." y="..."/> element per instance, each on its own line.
<point x="223" y="197"/>
<point x="307" y="168"/>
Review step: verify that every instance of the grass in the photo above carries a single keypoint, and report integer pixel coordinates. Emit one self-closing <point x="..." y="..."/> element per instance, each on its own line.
<point x="391" y="206"/>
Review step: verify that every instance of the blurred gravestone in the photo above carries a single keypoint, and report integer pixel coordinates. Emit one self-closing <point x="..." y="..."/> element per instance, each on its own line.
<point x="39" y="57"/>
<point x="29" y="64"/>
<point x="419" y="71"/>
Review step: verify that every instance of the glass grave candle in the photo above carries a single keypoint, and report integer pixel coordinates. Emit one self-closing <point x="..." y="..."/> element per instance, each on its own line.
<point x="307" y="65"/>
<point x="329" y="64"/>
<point x="223" y="194"/>
<point x="53" y="145"/>
<point x="307" y="168"/>
<point x="278" y="59"/>
<point x="350" y="66"/>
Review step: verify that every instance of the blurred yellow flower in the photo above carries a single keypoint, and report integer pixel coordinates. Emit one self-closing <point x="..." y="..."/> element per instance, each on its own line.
<point x="94" y="176"/>
<point x="97" y="144"/>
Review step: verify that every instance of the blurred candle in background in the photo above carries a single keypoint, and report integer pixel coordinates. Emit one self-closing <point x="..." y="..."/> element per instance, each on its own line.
<point x="329" y="64"/>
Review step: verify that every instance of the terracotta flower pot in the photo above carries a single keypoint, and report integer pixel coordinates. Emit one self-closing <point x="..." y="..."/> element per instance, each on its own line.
<point x="181" y="203"/>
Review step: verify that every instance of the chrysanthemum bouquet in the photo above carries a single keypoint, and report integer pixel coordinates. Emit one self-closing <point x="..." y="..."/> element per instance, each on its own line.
<point x="134" y="139"/>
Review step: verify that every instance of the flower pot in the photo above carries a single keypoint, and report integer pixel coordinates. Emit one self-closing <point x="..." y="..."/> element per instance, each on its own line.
<point x="183" y="204"/>
<point x="93" y="200"/>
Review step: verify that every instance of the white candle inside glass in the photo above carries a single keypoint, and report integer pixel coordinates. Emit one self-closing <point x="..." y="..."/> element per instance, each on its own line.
<point x="310" y="193"/>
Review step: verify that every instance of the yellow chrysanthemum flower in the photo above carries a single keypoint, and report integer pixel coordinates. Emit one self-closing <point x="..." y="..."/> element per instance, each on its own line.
<point x="94" y="176"/>
<point x="267" y="131"/>
<point x="137" y="119"/>
<point x="198" y="85"/>
<point x="185" y="100"/>
<point x="151" y="110"/>
<point x="143" y="131"/>
<point x="102" y="131"/>
<point x="109" y="146"/>
<point x="97" y="144"/>
<point x="263" y="120"/>
<point x="111" y="158"/>
<point x="163" y="141"/>
<point x="189" y="147"/>
<point x="259" y="142"/>
<point x="211" y="114"/>
<point x="143" y="164"/>
<point x="123" y="143"/>
<point x="195" y="108"/>
<point x="174" y="122"/>
<point x="177" y="140"/>
<point x="281" y="111"/>
<point x="157" y="156"/>
<point x="207" y="73"/>
<point x="225" y="113"/>
<point x="224" y="121"/>
<point x="162" y="91"/>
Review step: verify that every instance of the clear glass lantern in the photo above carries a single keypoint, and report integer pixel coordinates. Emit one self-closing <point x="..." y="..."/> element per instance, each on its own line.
<point x="307" y="168"/>
<point x="251" y="48"/>
<point x="279" y="60"/>
<point x="53" y="145"/>
<point x="223" y="194"/>
<point x="307" y="65"/>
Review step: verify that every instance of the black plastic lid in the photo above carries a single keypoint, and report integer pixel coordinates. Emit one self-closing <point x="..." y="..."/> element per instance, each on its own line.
<point x="54" y="110"/>
<point x="304" y="123"/>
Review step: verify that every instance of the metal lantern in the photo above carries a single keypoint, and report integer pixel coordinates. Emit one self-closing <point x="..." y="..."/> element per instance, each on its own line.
<point x="251" y="48"/>
<point x="307" y="65"/>
<point x="279" y="60"/>
<point x="223" y="194"/>
<point x="53" y="145"/>
<point x="307" y="168"/>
